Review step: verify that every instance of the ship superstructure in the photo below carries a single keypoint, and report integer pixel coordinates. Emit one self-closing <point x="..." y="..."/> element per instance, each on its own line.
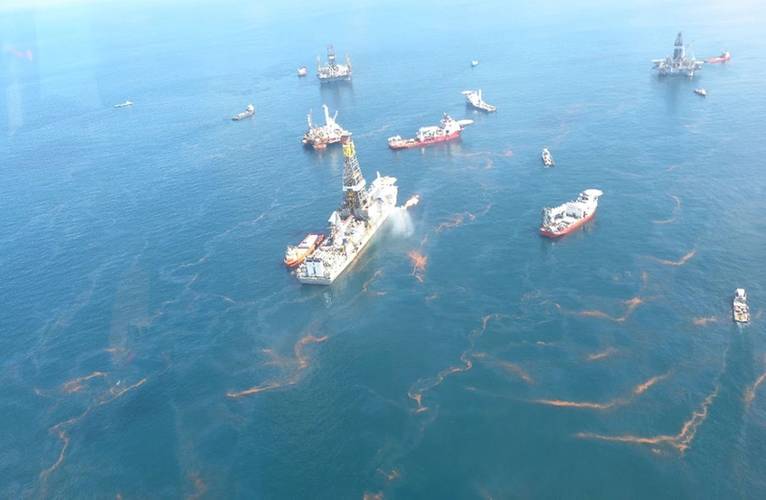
<point x="448" y="129"/>
<point x="474" y="98"/>
<point x="333" y="71"/>
<point x="679" y="63"/>
<point x="362" y="212"/>
<point x="319" y="136"/>
<point x="562" y="220"/>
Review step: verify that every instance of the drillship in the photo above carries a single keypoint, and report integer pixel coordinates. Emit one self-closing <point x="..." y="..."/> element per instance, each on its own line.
<point x="320" y="136"/>
<point x="678" y="64"/>
<point x="362" y="212"/>
<point x="332" y="71"/>
<point x="448" y="130"/>
<point x="564" y="219"/>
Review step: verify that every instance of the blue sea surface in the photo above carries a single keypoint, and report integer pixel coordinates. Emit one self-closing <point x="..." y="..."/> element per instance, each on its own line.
<point x="153" y="345"/>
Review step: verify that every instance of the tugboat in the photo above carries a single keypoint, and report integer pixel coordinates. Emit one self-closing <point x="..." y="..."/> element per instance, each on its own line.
<point x="739" y="307"/>
<point x="247" y="113"/>
<point x="303" y="71"/>
<point x="363" y="211"/>
<point x="294" y="256"/>
<point x="723" y="58"/>
<point x="448" y="130"/>
<point x="319" y="136"/>
<point x="562" y="220"/>
<point x="701" y="91"/>
<point x="679" y="63"/>
<point x="473" y="98"/>
<point x="547" y="158"/>
<point x="332" y="71"/>
<point x="125" y="104"/>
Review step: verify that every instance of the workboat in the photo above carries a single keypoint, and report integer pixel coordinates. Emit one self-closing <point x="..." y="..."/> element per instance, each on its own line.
<point x="319" y="136"/>
<point x="562" y="220"/>
<point x="474" y="99"/>
<point x="739" y="307"/>
<point x="297" y="254"/>
<point x="247" y="113"/>
<point x="303" y="71"/>
<point x="449" y="129"/>
<point x="362" y="213"/>
<point x="724" y="57"/>
<point x="701" y="91"/>
<point x="547" y="158"/>
<point x="474" y="63"/>
<point x="333" y="71"/>
<point x="124" y="104"/>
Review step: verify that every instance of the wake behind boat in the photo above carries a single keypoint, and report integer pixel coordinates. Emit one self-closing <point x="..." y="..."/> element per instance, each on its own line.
<point x="474" y="99"/>
<point x="562" y="220"/>
<point x="125" y="104"/>
<point x="448" y="130"/>
<point x="247" y="113"/>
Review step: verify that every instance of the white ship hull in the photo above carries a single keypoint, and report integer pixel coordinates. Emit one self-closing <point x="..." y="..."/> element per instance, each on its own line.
<point x="337" y="270"/>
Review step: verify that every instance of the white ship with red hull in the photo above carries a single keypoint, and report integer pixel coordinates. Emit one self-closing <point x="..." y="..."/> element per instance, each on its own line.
<point x="564" y="219"/>
<point x="723" y="58"/>
<point x="448" y="130"/>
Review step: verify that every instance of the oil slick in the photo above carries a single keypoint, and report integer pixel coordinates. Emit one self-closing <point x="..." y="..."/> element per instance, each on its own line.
<point x="630" y="306"/>
<point x="300" y="362"/>
<point x="601" y="355"/>
<point x="637" y="391"/>
<point x="77" y="384"/>
<point x="680" y="442"/>
<point x="751" y="391"/>
<point x="419" y="263"/>
<point x="424" y="385"/>
<point x="674" y="215"/>
<point x="677" y="263"/>
<point x="62" y="428"/>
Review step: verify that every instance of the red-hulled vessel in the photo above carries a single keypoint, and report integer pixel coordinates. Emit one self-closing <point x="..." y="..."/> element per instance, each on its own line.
<point x="448" y="130"/>
<point x="724" y="57"/>
<point x="562" y="220"/>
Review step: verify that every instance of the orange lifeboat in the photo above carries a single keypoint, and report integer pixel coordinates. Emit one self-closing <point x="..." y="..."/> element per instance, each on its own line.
<point x="297" y="254"/>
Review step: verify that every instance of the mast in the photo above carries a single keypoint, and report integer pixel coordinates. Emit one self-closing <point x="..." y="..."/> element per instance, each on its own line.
<point x="331" y="57"/>
<point x="678" y="49"/>
<point x="354" y="193"/>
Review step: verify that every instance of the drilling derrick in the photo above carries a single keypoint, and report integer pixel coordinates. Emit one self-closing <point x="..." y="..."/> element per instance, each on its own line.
<point x="354" y="192"/>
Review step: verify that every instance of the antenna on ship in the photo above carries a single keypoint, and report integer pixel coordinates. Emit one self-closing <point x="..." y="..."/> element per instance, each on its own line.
<point x="354" y="193"/>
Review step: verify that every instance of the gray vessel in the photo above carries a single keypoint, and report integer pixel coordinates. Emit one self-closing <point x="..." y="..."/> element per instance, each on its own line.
<point x="333" y="71"/>
<point x="678" y="63"/>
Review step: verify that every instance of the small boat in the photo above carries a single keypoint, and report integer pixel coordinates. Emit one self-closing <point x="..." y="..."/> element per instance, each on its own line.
<point x="547" y="158"/>
<point x="701" y="91"/>
<point x="474" y="63"/>
<point x="739" y="307"/>
<point x="247" y="113"/>
<point x="723" y="58"/>
<point x="295" y="255"/>
<point x="303" y="71"/>
<point x="125" y="104"/>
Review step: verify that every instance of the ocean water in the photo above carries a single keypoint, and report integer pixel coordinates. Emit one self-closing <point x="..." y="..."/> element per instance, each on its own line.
<point x="462" y="356"/>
